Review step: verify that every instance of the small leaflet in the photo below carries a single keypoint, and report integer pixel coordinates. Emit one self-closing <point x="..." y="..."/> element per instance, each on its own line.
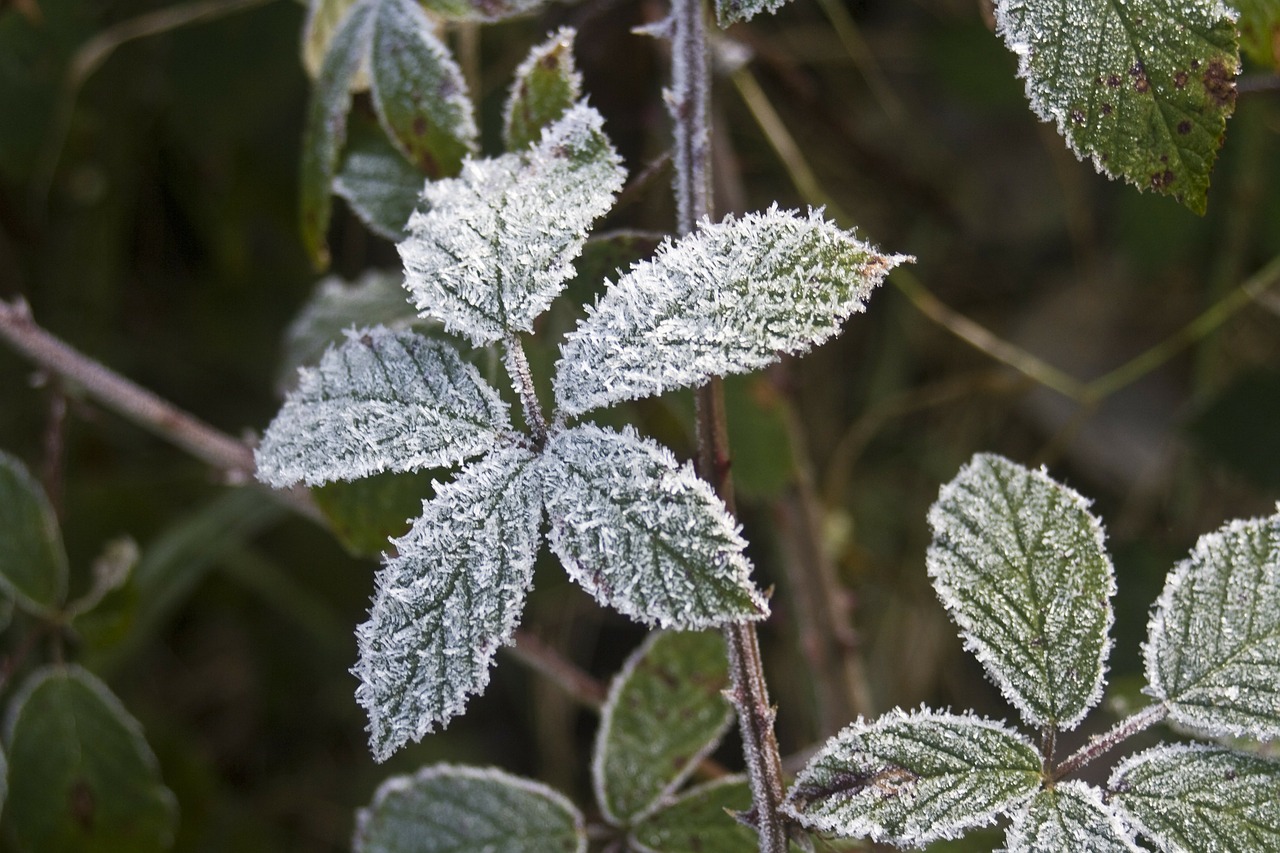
<point x="1213" y="652"/>
<point x="910" y="779"/>
<point x="383" y="401"/>
<point x="323" y="18"/>
<point x="734" y="11"/>
<point x="1070" y="816"/>
<point x="448" y="808"/>
<point x="33" y="560"/>
<point x="377" y="182"/>
<point x="664" y="713"/>
<point x="547" y="85"/>
<point x="699" y="820"/>
<point x="1193" y="798"/>
<point x="449" y="599"/>
<point x="1020" y="563"/>
<point x="1142" y="88"/>
<point x="729" y="298"/>
<point x="496" y="244"/>
<point x="643" y="534"/>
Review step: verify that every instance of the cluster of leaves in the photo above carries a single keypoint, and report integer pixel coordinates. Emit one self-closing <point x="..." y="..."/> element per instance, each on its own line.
<point x="75" y="771"/>
<point x="1019" y="562"/>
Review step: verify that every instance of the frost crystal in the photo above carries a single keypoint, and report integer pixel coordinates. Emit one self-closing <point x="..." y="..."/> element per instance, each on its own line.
<point x="642" y="533"/>
<point x="727" y="299"/>
<point x="1070" y="816"/>
<point x="450" y="598"/>
<point x="383" y="401"/>
<point x="1214" y="647"/>
<point x="1019" y="562"/>
<point x="496" y="244"/>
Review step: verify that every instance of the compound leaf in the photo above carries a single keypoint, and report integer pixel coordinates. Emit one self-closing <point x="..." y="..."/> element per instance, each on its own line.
<point x="727" y="299"/>
<point x="496" y="244"/>
<point x="447" y="809"/>
<point x="1019" y="562"/>
<point x="381" y="187"/>
<point x="546" y="86"/>
<point x="699" y="820"/>
<point x="33" y="561"/>
<point x="664" y="713"/>
<point x="910" y="779"/>
<point x="1143" y="87"/>
<point x="1069" y="816"/>
<point x="642" y="533"/>
<point x="383" y="401"/>
<point x="449" y="599"/>
<point x="1192" y="798"/>
<point x="1213" y="653"/>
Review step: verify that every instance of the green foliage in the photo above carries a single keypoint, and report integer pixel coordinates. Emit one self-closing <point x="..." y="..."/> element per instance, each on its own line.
<point x="33" y="563"/>
<point x="546" y="86"/>
<point x="697" y="821"/>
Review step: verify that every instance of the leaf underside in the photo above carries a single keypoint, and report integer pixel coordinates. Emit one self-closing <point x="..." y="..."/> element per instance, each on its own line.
<point x="546" y="86"/>
<point x="1070" y="816"/>
<point x="33" y="561"/>
<point x="377" y="182"/>
<point x="323" y="18"/>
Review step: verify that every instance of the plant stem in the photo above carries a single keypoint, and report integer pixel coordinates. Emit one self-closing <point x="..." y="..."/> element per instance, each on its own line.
<point x="1099" y="745"/>
<point x="690" y="102"/>
<point x="522" y="381"/>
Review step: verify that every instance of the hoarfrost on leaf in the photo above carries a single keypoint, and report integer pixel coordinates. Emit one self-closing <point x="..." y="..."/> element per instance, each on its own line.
<point x="449" y="599"/>
<point x="910" y="779"/>
<point x="380" y="186"/>
<point x="642" y="533"/>
<point x="1019" y="562"/>
<point x="383" y="401"/>
<point x="496" y="244"/>
<point x="727" y="299"/>
<point x="734" y="11"/>
<point x="1192" y="798"/>
<point x="1213" y="653"/>
<point x="546" y="86"/>
<point x="1070" y="816"/>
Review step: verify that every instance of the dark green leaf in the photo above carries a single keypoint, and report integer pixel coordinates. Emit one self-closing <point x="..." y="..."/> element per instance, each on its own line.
<point x="1070" y="816"/>
<point x="380" y="185"/>
<point x="33" y="563"/>
<point x="700" y="820"/>
<point x="546" y="85"/>
<point x="1260" y="30"/>
<point x="364" y="514"/>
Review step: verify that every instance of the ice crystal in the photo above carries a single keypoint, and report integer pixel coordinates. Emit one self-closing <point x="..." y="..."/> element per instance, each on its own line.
<point x="1214" y="649"/>
<point x="642" y="533"/>
<point x="1019" y="562"/>
<point x="734" y="11"/>
<point x="1070" y="816"/>
<point x="449" y="599"/>
<point x="727" y="299"/>
<point x="383" y="401"/>
<point x="496" y="244"/>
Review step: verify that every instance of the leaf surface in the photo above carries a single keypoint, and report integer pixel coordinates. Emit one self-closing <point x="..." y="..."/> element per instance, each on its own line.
<point x="450" y="598"/>
<point x="546" y="86"/>
<point x="734" y="11"/>
<point x="323" y="18"/>
<point x="482" y="10"/>
<point x="33" y="561"/>
<point x="1192" y="798"/>
<point x="1213" y="653"/>
<point x="910" y="779"/>
<point x="1019" y="562"/>
<point x="642" y="533"/>
<point x="1069" y="816"/>
<point x="447" y="809"/>
<point x="699" y="821"/>
<point x="1143" y="87"/>
<point x="365" y="514"/>
<point x="664" y="713"/>
<point x="381" y="187"/>
<point x="383" y="401"/>
<point x="727" y="299"/>
<point x="496" y="244"/>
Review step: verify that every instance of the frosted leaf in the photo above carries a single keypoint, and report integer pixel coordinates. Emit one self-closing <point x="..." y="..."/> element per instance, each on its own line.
<point x="449" y="599"/>
<point x="448" y="809"/>
<point x="497" y="243"/>
<point x="909" y="779"/>
<point x="664" y="713"/>
<point x="482" y="10"/>
<point x="699" y="820"/>
<point x="1143" y="87"/>
<point x="1019" y="562"/>
<point x="1196" y="798"/>
<point x="546" y="86"/>
<point x="727" y="299"/>
<point x="642" y="533"/>
<point x="733" y="11"/>
<point x="383" y="401"/>
<point x="1070" y="816"/>
<point x="379" y="185"/>
<point x="1213" y="653"/>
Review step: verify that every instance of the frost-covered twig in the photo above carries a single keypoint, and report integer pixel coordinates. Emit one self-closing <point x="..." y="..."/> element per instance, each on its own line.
<point x="1099" y="745"/>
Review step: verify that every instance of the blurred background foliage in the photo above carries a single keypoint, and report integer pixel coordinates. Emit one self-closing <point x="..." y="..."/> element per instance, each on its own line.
<point x="148" y="202"/>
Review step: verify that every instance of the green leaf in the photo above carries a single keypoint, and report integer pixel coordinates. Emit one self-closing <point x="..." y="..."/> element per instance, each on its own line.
<point x="450" y="598"/>
<point x="1019" y="562"/>
<point x="763" y="458"/>
<point x="1196" y="798"/>
<point x="1143" y="87"/>
<point x="1069" y="816"/>
<point x="364" y="514"/>
<point x="33" y="562"/>
<point x="82" y="778"/>
<point x="323" y="18"/>
<point x="419" y="91"/>
<point x="1260" y="30"/>
<point x="446" y="809"/>
<point x="909" y="779"/>
<point x="643" y="534"/>
<point x="383" y="401"/>
<point x="546" y="86"/>
<point x="1214" y="649"/>
<point x="486" y="11"/>
<point x="104" y="616"/>
<point x="378" y="183"/>
<point x="733" y="11"/>
<point x="326" y="124"/>
<point x="664" y="714"/>
<point x="699" y="820"/>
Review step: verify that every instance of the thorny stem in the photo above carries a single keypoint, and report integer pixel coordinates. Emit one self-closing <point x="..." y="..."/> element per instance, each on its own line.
<point x="689" y="100"/>
<point x="522" y="381"/>
<point x="1099" y="745"/>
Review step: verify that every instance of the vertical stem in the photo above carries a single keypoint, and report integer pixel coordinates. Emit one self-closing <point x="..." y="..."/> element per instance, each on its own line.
<point x="690" y="100"/>
<point x="522" y="381"/>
